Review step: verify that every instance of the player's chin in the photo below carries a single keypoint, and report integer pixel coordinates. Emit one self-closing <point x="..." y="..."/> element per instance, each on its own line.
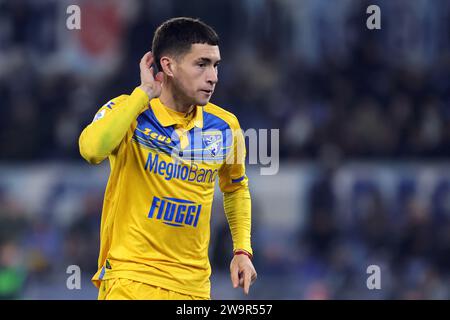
<point x="203" y="96"/>
<point x="202" y="99"/>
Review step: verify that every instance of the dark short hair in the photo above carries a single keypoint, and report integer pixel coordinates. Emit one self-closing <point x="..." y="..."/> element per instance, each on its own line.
<point x="175" y="37"/>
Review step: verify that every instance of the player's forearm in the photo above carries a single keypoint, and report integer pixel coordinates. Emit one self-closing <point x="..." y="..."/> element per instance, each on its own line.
<point x="100" y="138"/>
<point x="237" y="207"/>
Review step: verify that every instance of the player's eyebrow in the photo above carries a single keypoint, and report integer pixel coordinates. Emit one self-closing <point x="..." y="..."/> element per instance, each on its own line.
<point x="207" y="60"/>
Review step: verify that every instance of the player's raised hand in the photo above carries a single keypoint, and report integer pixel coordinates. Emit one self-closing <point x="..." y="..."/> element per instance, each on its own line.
<point x="243" y="273"/>
<point x="150" y="83"/>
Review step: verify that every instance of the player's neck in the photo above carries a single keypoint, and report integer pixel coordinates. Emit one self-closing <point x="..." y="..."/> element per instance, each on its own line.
<point x="170" y="100"/>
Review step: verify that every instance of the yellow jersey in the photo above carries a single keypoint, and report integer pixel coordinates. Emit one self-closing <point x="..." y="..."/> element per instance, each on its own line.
<point x="155" y="225"/>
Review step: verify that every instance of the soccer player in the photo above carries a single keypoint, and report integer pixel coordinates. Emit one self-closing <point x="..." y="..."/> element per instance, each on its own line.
<point x="155" y="225"/>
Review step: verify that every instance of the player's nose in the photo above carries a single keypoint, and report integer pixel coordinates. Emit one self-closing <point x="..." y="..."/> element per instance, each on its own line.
<point x="212" y="76"/>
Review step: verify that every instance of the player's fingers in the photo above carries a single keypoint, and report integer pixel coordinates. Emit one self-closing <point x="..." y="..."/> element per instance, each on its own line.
<point x="247" y="280"/>
<point x="144" y="59"/>
<point x="147" y="59"/>
<point x="234" y="272"/>
<point x="254" y="277"/>
<point x="159" y="76"/>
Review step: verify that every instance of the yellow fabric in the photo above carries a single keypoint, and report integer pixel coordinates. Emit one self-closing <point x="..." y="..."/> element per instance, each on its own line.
<point x="104" y="136"/>
<point x="181" y="120"/>
<point x="237" y="207"/>
<point x="155" y="225"/>
<point x="166" y="118"/>
<point x="182" y="134"/>
<point x="236" y="197"/>
<point x="125" y="289"/>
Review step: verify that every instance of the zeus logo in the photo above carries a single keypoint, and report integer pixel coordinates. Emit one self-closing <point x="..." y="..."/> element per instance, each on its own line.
<point x="156" y="136"/>
<point x="175" y="212"/>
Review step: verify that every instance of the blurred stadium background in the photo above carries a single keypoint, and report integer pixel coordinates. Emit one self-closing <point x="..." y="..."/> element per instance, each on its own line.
<point x="364" y="119"/>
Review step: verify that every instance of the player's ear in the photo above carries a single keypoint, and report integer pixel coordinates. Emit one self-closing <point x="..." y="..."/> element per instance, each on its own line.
<point x="167" y="65"/>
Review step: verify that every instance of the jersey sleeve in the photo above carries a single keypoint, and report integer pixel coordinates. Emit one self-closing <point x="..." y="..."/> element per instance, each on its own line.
<point x="233" y="183"/>
<point x="108" y="107"/>
<point x="110" y="125"/>
<point x="232" y="173"/>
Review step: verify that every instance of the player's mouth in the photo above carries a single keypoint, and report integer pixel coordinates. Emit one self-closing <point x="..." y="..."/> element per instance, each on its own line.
<point x="207" y="91"/>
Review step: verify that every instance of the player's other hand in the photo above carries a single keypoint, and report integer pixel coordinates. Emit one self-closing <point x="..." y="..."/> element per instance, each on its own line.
<point x="150" y="83"/>
<point x="243" y="273"/>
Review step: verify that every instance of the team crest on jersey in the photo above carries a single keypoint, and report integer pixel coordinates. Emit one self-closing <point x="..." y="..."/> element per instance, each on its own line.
<point x="212" y="142"/>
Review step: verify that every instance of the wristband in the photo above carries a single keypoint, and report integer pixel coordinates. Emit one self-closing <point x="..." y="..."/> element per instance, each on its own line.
<point x="244" y="253"/>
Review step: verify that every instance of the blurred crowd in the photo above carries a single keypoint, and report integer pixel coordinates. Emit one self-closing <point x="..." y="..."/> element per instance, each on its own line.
<point x="326" y="256"/>
<point x="310" y="68"/>
<point x="307" y="67"/>
<point x="35" y="250"/>
<point x="408" y="239"/>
